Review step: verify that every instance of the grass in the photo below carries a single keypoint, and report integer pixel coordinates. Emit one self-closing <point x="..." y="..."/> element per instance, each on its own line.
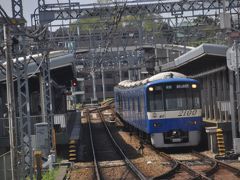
<point x="50" y="175"/>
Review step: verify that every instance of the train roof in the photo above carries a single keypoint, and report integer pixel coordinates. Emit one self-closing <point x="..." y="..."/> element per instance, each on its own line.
<point x="175" y="80"/>
<point x="159" y="76"/>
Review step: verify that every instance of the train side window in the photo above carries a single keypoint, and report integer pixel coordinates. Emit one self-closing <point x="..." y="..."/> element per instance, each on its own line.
<point x="129" y="106"/>
<point x="142" y="103"/>
<point x="133" y="104"/>
<point x="124" y="102"/>
<point x="139" y="104"/>
<point x="118" y="101"/>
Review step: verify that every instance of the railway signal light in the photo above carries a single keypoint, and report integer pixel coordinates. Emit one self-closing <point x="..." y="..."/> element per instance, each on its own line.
<point x="74" y="82"/>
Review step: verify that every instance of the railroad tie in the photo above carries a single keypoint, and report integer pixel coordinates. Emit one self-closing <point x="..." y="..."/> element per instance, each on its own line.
<point x="72" y="150"/>
<point x="220" y="142"/>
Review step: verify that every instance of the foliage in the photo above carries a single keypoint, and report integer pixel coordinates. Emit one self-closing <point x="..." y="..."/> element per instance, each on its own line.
<point x="50" y="175"/>
<point x="86" y="24"/>
<point x="104" y="1"/>
<point x="150" y="23"/>
<point x="79" y="106"/>
<point x="202" y="29"/>
<point x="205" y="20"/>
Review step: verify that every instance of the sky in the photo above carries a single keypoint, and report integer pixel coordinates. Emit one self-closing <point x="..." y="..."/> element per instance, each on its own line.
<point x="30" y="5"/>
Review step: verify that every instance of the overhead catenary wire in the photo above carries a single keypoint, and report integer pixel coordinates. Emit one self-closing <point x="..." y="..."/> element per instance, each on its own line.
<point x="39" y="66"/>
<point x="8" y="21"/>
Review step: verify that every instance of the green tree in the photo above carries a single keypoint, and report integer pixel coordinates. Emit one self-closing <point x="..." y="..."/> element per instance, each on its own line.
<point x="104" y="1"/>
<point x="86" y="24"/>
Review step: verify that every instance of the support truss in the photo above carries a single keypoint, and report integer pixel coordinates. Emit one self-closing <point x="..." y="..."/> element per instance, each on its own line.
<point x="24" y="121"/>
<point x="46" y="100"/>
<point x="17" y="9"/>
<point x="175" y="9"/>
<point x="45" y="80"/>
<point x="41" y="5"/>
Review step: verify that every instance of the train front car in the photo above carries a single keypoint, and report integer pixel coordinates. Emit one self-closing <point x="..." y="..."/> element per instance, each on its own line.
<point x="174" y="112"/>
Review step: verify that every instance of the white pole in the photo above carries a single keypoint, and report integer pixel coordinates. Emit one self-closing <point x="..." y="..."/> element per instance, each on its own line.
<point x="10" y="101"/>
<point x="237" y="83"/>
<point x="103" y="82"/>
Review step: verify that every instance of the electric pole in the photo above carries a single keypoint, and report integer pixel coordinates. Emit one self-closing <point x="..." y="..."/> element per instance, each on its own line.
<point x="10" y="101"/>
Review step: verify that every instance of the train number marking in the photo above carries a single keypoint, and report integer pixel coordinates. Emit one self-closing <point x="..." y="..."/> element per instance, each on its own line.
<point x="192" y="112"/>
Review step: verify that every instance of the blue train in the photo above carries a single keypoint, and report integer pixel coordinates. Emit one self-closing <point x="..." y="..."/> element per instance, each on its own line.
<point x="166" y="107"/>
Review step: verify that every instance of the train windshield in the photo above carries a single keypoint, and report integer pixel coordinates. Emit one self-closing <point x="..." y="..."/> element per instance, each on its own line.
<point x="173" y="97"/>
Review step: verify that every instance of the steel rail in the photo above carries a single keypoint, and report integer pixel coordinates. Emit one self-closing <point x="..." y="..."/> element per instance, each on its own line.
<point x="217" y="164"/>
<point x="176" y="165"/>
<point x="195" y="174"/>
<point x="96" y="166"/>
<point x="100" y="108"/>
<point x="134" y="169"/>
<point x="172" y="171"/>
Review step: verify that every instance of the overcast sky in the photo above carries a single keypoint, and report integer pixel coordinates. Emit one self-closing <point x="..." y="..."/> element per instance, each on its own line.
<point x="30" y="5"/>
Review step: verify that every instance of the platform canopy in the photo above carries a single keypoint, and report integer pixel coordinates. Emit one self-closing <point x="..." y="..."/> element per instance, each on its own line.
<point x="204" y="58"/>
<point x="58" y="60"/>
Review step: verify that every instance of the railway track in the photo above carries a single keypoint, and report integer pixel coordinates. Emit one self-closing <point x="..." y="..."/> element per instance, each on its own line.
<point x="152" y="164"/>
<point x="178" y="168"/>
<point x="203" y="167"/>
<point x="217" y="166"/>
<point x="104" y="147"/>
<point x="177" y="165"/>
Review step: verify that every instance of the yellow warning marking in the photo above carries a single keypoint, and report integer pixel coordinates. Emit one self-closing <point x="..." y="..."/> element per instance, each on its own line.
<point x="72" y="142"/>
<point x="71" y="155"/>
<point x="72" y="151"/>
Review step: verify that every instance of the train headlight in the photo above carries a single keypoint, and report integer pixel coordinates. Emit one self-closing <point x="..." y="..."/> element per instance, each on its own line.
<point x="194" y="86"/>
<point x="151" y="89"/>
<point x="174" y="133"/>
<point x="156" y="124"/>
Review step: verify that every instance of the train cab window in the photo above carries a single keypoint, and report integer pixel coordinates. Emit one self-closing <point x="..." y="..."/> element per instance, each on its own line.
<point x="196" y="99"/>
<point x="155" y="99"/>
<point x="175" y="99"/>
<point x="181" y="96"/>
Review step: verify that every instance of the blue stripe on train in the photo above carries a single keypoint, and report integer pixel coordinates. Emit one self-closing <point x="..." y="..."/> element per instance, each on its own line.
<point x="185" y="124"/>
<point x="165" y="125"/>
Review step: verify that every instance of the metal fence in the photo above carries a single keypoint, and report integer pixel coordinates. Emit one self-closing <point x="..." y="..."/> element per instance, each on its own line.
<point x="65" y="121"/>
<point x="5" y="167"/>
<point x="3" y="127"/>
<point x="224" y="111"/>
